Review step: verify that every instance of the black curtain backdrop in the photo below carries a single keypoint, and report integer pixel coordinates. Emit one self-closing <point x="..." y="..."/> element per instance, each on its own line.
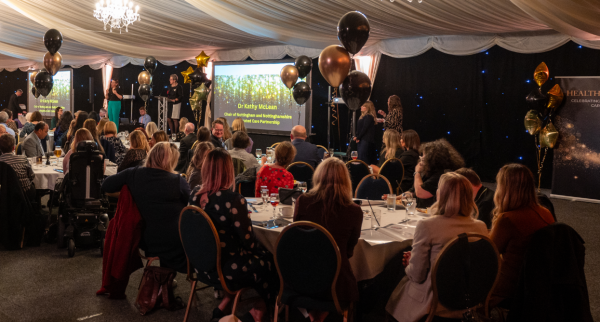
<point x="477" y="102"/>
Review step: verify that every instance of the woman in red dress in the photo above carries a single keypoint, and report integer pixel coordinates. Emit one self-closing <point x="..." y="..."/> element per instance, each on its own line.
<point x="274" y="175"/>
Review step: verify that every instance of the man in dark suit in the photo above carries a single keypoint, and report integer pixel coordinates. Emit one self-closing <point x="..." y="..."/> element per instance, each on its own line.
<point x="305" y="152"/>
<point x="216" y="137"/>
<point x="184" y="146"/>
<point x="484" y="197"/>
<point x="13" y="103"/>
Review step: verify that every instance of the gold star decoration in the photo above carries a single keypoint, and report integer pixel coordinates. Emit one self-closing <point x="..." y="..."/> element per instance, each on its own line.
<point x="186" y="75"/>
<point x="202" y="60"/>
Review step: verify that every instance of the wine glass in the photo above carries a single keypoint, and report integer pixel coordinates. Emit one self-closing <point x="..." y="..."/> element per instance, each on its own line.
<point x="174" y="137"/>
<point x="354" y="155"/>
<point x="331" y="153"/>
<point x="302" y="185"/>
<point x="274" y="199"/>
<point x="264" y="193"/>
<point x="258" y="153"/>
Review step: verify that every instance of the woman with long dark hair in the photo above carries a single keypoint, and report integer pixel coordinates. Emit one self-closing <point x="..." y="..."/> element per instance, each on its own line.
<point x="392" y="119"/>
<point x="58" y="112"/>
<point x="62" y="127"/>
<point x="114" y="101"/>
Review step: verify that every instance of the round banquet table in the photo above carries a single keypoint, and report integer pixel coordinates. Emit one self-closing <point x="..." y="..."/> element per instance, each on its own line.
<point x="46" y="176"/>
<point x="374" y="248"/>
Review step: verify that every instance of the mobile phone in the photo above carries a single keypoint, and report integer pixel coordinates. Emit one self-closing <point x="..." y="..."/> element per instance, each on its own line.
<point x="58" y="170"/>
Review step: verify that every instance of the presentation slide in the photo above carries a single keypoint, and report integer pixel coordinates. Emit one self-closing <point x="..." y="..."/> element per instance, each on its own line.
<point x="59" y="96"/>
<point x="255" y="92"/>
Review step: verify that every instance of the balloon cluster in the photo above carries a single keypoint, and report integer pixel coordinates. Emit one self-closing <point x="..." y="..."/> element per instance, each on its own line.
<point x="145" y="78"/>
<point x="335" y="63"/>
<point x="289" y="76"/>
<point x="199" y="80"/>
<point x="42" y="79"/>
<point x="538" y="120"/>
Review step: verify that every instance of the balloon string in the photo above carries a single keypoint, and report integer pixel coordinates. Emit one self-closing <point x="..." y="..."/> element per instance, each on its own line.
<point x="334" y="114"/>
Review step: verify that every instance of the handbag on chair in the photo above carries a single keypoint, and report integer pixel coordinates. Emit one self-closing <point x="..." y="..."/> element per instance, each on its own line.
<point x="156" y="288"/>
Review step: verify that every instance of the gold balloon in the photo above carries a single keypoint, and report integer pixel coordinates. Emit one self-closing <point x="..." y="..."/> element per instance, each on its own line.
<point x="195" y="103"/>
<point x="541" y="74"/>
<point x="289" y="75"/>
<point x="52" y="62"/>
<point x="32" y="77"/>
<point x="533" y="124"/>
<point x="202" y="60"/>
<point x="548" y="136"/>
<point x="334" y="64"/>
<point x="144" y="78"/>
<point x="202" y="91"/>
<point x="186" y="75"/>
<point x="555" y="96"/>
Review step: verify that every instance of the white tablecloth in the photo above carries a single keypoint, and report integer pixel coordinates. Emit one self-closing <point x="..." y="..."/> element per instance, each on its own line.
<point x="46" y="176"/>
<point x="374" y="248"/>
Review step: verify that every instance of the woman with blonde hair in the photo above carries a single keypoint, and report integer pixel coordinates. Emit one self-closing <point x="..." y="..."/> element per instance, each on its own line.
<point x="158" y="136"/>
<point x="454" y="213"/>
<point x="81" y="135"/>
<point x="101" y="124"/>
<point x="90" y="125"/>
<point x="110" y="138"/>
<point x="239" y="126"/>
<point x="274" y="175"/>
<point x="405" y="147"/>
<point x="392" y="119"/>
<point x="139" y="148"/>
<point x="517" y="216"/>
<point x="365" y="133"/>
<point x="160" y="194"/>
<point x="151" y="128"/>
<point x="329" y="204"/>
<point x="180" y="135"/>
<point x="194" y="171"/>
<point x="243" y="260"/>
<point x="226" y="129"/>
<point x="392" y="140"/>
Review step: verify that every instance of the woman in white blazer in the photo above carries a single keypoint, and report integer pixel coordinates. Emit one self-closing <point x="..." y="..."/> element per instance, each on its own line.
<point x="454" y="213"/>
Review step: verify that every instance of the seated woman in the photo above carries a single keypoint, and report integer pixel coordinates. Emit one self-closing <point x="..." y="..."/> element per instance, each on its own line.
<point x="194" y="171"/>
<point x="80" y="135"/>
<point x="159" y="207"/>
<point x="158" y="136"/>
<point x="35" y="118"/>
<point x="329" y="204"/>
<point x="438" y="157"/>
<point x="240" y="142"/>
<point x="180" y="135"/>
<point x="151" y="128"/>
<point x="411" y="143"/>
<point x="274" y="175"/>
<point x="239" y="126"/>
<point x="453" y="214"/>
<point x="243" y="261"/>
<point x="62" y="127"/>
<point x="392" y="140"/>
<point x="517" y="216"/>
<point x="58" y="112"/>
<point x="110" y="137"/>
<point x="90" y="125"/>
<point x="101" y="124"/>
<point x="137" y="153"/>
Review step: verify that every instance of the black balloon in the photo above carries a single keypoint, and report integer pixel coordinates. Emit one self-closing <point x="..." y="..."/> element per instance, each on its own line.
<point x="53" y="40"/>
<point x="198" y="78"/>
<point x="537" y="100"/>
<point x="35" y="92"/>
<point x="145" y="92"/>
<point x="44" y="83"/>
<point x="355" y="89"/>
<point x="304" y="65"/>
<point x="353" y="31"/>
<point x="301" y="92"/>
<point x="150" y="64"/>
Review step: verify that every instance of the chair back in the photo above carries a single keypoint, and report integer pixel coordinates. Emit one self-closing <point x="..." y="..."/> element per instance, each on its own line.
<point x="274" y="145"/>
<point x="465" y="272"/>
<point x="393" y="170"/>
<point x="19" y="149"/>
<point x="246" y="188"/>
<point x="302" y="171"/>
<point x="373" y="187"/>
<point x="308" y="260"/>
<point x="86" y="172"/>
<point x="201" y="243"/>
<point x="321" y="151"/>
<point x="238" y="165"/>
<point x="358" y="170"/>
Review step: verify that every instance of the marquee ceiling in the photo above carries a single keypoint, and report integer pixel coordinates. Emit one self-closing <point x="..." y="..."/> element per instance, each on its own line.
<point x="178" y="30"/>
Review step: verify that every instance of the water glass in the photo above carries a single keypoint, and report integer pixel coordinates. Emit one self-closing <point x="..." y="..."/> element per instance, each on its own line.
<point x="258" y="153"/>
<point x="411" y="206"/>
<point x="274" y="199"/>
<point x="174" y="137"/>
<point x="331" y="153"/>
<point x="376" y="219"/>
<point x="302" y="186"/>
<point x="391" y="202"/>
<point x="354" y="155"/>
<point x="264" y="193"/>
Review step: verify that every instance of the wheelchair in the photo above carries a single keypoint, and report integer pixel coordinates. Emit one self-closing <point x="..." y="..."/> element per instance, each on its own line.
<point x="83" y="209"/>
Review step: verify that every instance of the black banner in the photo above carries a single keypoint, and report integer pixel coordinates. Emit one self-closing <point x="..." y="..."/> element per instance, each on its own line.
<point x="577" y="154"/>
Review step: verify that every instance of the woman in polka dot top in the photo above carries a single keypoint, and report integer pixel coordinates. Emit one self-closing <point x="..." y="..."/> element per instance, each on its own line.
<point x="244" y="262"/>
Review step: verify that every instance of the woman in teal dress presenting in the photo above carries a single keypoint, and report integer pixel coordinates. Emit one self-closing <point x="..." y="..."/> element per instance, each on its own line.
<point x="114" y="102"/>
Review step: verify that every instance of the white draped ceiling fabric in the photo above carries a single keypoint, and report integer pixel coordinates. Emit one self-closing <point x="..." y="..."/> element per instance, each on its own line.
<point x="233" y="30"/>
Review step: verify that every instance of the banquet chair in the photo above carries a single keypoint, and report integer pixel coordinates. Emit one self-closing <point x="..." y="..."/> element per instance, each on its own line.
<point x="238" y="165"/>
<point x="302" y="171"/>
<point x="373" y="187"/>
<point x="274" y="145"/>
<point x="202" y="247"/>
<point x="358" y="170"/>
<point x="463" y="276"/>
<point x="16" y="211"/>
<point x="393" y="170"/>
<point x="308" y="262"/>
<point x="19" y="149"/>
<point x="246" y="188"/>
<point x="322" y="150"/>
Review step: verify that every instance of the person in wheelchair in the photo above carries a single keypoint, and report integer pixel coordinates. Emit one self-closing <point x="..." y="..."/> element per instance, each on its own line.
<point x="81" y="135"/>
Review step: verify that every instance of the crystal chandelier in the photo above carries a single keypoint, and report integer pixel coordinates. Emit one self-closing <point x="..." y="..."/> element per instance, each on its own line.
<point x="116" y="13"/>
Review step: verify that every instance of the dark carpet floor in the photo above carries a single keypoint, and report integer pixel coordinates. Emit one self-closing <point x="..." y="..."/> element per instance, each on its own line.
<point x="43" y="284"/>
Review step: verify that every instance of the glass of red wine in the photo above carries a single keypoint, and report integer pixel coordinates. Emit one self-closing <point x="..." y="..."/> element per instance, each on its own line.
<point x="274" y="200"/>
<point x="354" y="155"/>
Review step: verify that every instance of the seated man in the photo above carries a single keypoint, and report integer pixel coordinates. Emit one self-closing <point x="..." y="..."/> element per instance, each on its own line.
<point x="144" y="118"/>
<point x="32" y="145"/>
<point x="3" y="120"/>
<point x="185" y="145"/>
<point x="103" y="114"/>
<point x="216" y="137"/>
<point x="241" y="141"/>
<point x="305" y="152"/>
<point x="484" y="197"/>
<point x="19" y="163"/>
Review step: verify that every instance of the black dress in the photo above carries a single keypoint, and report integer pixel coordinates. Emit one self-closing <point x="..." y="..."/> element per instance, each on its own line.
<point x="174" y="93"/>
<point x="365" y="133"/>
<point x="410" y="159"/>
<point x="160" y="196"/>
<point x="132" y="159"/>
<point x="244" y="262"/>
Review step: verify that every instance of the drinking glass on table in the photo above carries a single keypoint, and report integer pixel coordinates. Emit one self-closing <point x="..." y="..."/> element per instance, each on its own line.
<point x="57" y="152"/>
<point x="174" y="137"/>
<point x="274" y="199"/>
<point x="302" y="186"/>
<point x="376" y="219"/>
<point x="391" y="202"/>
<point x="258" y="153"/>
<point x="354" y="155"/>
<point x="409" y="203"/>
<point x="331" y="153"/>
<point x="264" y="193"/>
